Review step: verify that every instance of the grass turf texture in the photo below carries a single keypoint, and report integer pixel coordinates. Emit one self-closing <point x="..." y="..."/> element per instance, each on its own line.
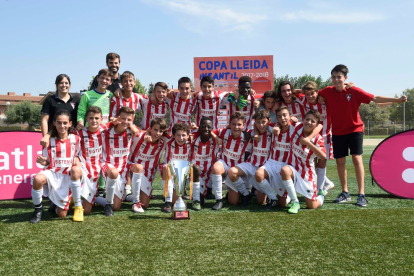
<point x="335" y="239"/>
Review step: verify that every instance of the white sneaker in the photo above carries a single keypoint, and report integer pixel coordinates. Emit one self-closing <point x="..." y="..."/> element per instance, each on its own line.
<point x="327" y="186"/>
<point x="137" y="208"/>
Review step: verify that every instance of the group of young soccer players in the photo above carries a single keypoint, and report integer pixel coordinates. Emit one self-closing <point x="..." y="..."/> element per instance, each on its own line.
<point x="274" y="148"/>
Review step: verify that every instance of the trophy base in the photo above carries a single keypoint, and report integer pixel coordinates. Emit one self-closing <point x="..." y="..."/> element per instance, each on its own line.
<point x="179" y="215"/>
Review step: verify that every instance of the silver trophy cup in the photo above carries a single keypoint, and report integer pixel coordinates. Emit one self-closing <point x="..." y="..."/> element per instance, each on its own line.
<point x="180" y="171"/>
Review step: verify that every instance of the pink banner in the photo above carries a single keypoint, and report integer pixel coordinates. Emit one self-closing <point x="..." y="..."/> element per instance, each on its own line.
<point x="18" y="153"/>
<point x="392" y="164"/>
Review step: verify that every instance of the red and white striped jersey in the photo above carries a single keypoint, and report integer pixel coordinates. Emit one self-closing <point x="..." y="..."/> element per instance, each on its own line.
<point x="133" y="102"/>
<point x="247" y="111"/>
<point x="61" y="154"/>
<point x="296" y="109"/>
<point x="204" y="154"/>
<point x="325" y="119"/>
<point x="208" y="107"/>
<point x="261" y="149"/>
<point x="279" y="151"/>
<point x="147" y="154"/>
<point x="91" y="149"/>
<point x="181" y="110"/>
<point x="116" y="149"/>
<point x="151" y="111"/>
<point x="174" y="151"/>
<point x="300" y="156"/>
<point x="232" y="149"/>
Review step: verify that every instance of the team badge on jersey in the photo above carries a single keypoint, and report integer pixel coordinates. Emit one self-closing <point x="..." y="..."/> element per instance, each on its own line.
<point x="348" y="97"/>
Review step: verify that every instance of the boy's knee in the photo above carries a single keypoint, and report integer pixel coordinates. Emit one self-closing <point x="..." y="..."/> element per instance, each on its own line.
<point x="112" y="173"/>
<point x="259" y="175"/>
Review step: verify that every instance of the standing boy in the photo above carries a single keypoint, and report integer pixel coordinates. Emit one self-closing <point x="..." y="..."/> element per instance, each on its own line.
<point x="126" y="97"/>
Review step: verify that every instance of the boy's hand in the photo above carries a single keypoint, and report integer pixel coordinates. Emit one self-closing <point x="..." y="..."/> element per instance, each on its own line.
<point x="80" y="125"/>
<point x="114" y="120"/>
<point x="256" y="104"/>
<point x="276" y="131"/>
<point x="252" y="92"/>
<point x="134" y="130"/>
<point x="321" y="99"/>
<point x="257" y="138"/>
<point x="41" y="160"/>
<point x="193" y="126"/>
<point x="403" y="99"/>
<point x="153" y="99"/>
<point x="304" y="141"/>
<point x="349" y="85"/>
<point x="294" y="119"/>
<point x="118" y="93"/>
<point x="147" y="138"/>
<point x="44" y="142"/>
<point x="77" y="162"/>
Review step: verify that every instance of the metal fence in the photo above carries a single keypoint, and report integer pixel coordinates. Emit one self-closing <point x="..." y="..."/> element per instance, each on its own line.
<point x="382" y="130"/>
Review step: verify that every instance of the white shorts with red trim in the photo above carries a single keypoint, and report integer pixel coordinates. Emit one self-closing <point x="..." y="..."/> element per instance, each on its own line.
<point x="273" y="168"/>
<point x="146" y="185"/>
<point x="58" y="188"/>
<point x="306" y="188"/>
<point x="89" y="186"/>
<point x="328" y="146"/>
<point x="226" y="167"/>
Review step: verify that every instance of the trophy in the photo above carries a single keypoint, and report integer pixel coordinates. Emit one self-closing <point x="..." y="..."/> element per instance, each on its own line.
<point x="181" y="171"/>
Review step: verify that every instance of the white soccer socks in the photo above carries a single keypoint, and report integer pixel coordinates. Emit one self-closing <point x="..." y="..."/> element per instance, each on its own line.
<point x="239" y="185"/>
<point x="196" y="191"/>
<point x="265" y="187"/>
<point x="75" y="186"/>
<point x="37" y="196"/>
<point x="110" y="190"/>
<point x="290" y="187"/>
<point x="217" y="186"/>
<point x="321" y="173"/>
<point x="169" y="197"/>
<point x="136" y="186"/>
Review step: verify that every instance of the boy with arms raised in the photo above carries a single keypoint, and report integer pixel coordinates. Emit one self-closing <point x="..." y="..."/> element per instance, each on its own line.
<point x="299" y="173"/>
<point x="143" y="162"/>
<point x="233" y="148"/>
<point x="347" y="127"/>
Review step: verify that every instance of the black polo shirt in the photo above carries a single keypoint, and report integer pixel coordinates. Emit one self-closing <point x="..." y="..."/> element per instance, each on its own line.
<point x="52" y="104"/>
<point x="116" y="83"/>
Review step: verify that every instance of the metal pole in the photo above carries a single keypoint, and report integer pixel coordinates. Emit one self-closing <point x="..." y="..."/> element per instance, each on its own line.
<point x="368" y="128"/>
<point x="404" y="114"/>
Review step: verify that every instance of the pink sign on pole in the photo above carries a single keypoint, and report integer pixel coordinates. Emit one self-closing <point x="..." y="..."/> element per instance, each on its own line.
<point x="18" y="153"/>
<point x="392" y="164"/>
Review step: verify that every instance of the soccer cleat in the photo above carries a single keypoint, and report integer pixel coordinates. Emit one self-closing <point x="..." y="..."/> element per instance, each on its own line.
<point x="253" y="191"/>
<point x="137" y="208"/>
<point x="52" y="207"/>
<point x="327" y="186"/>
<point x="218" y="205"/>
<point x="294" y="208"/>
<point x="361" y="201"/>
<point x="167" y="207"/>
<point x="109" y="210"/>
<point x="322" y="193"/>
<point x="209" y="194"/>
<point x="245" y="199"/>
<point x="101" y="193"/>
<point x="343" y="197"/>
<point x="152" y="197"/>
<point x="196" y="206"/>
<point x="270" y="204"/>
<point x="78" y="213"/>
<point x="37" y="215"/>
<point x="202" y="199"/>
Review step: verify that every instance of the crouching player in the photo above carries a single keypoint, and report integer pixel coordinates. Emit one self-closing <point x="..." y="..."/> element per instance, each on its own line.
<point x="203" y="154"/>
<point x="143" y="162"/>
<point x="115" y="153"/>
<point x="235" y="143"/>
<point x="299" y="175"/>
<point x="257" y="158"/>
<point x="62" y="174"/>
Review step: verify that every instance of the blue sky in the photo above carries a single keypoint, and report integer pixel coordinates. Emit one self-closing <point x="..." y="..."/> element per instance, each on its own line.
<point x="157" y="40"/>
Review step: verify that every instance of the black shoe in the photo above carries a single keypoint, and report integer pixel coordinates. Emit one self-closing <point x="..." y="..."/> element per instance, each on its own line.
<point x="270" y="204"/>
<point x="202" y="199"/>
<point x="218" y="205"/>
<point x="253" y="191"/>
<point x="52" y="207"/>
<point x="109" y="210"/>
<point x="209" y="194"/>
<point x="37" y="215"/>
<point x="167" y="207"/>
<point x="185" y="196"/>
<point x="245" y="199"/>
<point x="101" y="193"/>
<point x="152" y="197"/>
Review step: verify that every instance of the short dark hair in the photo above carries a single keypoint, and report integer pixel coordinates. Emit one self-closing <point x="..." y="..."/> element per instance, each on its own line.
<point x="279" y="91"/>
<point x="126" y="110"/>
<point x="315" y="113"/>
<point x="184" y="80"/>
<point x="282" y="108"/>
<point x="206" y="119"/>
<point x="112" y="56"/>
<point x="237" y="115"/>
<point x="159" y="121"/>
<point x="93" y="109"/>
<point x="245" y="79"/>
<point x="262" y="114"/>
<point x="208" y="79"/>
<point x="269" y="94"/>
<point x="127" y="74"/>
<point x="341" y="69"/>
<point x="180" y="126"/>
<point x="106" y="72"/>
<point x="161" y="84"/>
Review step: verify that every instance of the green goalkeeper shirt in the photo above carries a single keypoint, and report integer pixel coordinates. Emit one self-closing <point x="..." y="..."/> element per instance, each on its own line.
<point x="94" y="98"/>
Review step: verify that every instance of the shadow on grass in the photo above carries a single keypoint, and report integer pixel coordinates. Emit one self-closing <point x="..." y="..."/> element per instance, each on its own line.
<point x="381" y="196"/>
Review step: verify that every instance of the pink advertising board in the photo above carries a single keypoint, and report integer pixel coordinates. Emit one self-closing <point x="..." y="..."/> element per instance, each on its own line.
<point x="18" y="153"/>
<point x="392" y="164"/>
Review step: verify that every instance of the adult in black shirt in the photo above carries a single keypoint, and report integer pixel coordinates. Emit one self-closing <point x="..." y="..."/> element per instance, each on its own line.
<point x="61" y="100"/>
<point x="113" y="61"/>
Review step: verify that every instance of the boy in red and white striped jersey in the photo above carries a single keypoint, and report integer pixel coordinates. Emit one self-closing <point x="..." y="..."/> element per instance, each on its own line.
<point x="203" y="155"/>
<point x="61" y="174"/>
<point x="286" y="95"/>
<point x="115" y="152"/>
<point x="235" y="143"/>
<point x="126" y="95"/>
<point x="155" y="110"/>
<point x="143" y="163"/>
<point x="299" y="175"/>
<point x="246" y="170"/>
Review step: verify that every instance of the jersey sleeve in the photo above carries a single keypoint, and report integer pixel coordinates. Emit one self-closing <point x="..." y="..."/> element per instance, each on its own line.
<point x="324" y="92"/>
<point x="363" y="97"/>
<point x="320" y="143"/>
<point x="113" y="107"/>
<point x="83" y="106"/>
<point x="46" y="106"/>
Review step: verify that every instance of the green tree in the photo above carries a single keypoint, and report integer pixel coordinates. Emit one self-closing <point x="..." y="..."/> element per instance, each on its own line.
<point x="24" y="112"/>
<point x="90" y="83"/>
<point x="141" y="89"/>
<point x="374" y="113"/>
<point x="397" y="114"/>
<point x="150" y="88"/>
<point x="298" y="82"/>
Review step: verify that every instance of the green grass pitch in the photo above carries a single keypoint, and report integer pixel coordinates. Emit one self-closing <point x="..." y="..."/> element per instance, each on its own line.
<point x="335" y="239"/>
